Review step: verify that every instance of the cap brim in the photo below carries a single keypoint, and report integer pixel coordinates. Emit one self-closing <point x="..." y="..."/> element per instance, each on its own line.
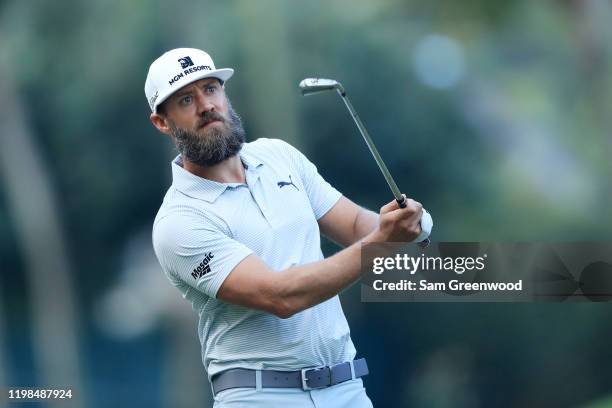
<point x="222" y="73"/>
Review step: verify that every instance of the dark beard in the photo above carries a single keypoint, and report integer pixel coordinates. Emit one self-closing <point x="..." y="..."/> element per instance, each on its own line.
<point x="207" y="147"/>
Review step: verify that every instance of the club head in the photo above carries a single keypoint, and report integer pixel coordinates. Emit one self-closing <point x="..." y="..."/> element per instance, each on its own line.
<point x="313" y="85"/>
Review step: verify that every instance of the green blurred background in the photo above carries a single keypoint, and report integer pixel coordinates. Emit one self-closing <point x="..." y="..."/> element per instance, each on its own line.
<point x="494" y="114"/>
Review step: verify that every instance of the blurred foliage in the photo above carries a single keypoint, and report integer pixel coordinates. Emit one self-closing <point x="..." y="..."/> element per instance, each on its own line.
<point x="518" y="148"/>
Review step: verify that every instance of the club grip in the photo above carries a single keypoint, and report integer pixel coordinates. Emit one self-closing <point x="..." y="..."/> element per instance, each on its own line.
<point x="402" y="203"/>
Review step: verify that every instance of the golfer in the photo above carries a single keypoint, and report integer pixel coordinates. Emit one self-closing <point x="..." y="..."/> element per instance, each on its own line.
<point x="238" y="233"/>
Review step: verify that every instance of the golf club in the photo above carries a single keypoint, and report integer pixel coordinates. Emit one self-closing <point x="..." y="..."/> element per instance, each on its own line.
<point x="310" y="86"/>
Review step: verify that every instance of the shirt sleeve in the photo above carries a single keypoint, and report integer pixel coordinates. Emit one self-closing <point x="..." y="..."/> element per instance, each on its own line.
<point x="322" y="195"/>
<point x="197" y="252"/>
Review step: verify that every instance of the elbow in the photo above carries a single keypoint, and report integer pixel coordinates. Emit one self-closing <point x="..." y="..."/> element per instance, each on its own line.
<point x="283" y="313"/>
<point x="283" y="309"/>
<point x="282" y="304"/>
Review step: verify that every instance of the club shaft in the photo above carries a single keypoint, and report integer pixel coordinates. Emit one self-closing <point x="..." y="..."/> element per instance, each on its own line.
<point x="366" y="137"/>
<point x="381" y="164"/>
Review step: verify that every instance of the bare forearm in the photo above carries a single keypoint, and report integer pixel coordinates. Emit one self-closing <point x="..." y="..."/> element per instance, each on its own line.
<point x="347" y="223"/>
<point x="365" y="222"/>
<point x="307" y="285"/>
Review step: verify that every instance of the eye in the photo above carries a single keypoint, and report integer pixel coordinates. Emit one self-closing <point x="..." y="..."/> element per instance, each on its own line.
<point x="211" y="89"/>
<point x="185" y="100"/>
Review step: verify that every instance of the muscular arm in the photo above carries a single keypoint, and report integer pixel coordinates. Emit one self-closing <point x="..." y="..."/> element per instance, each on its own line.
<point x="347" y="223"/>
<point x="253" y="284"/>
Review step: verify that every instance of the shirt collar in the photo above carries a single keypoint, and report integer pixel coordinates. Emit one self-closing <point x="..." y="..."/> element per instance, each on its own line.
<point x="205" y="189"/>
<point x="252" y="163"/>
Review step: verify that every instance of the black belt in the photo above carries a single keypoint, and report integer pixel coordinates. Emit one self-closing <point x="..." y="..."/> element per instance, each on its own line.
<point x="306" y="379"/>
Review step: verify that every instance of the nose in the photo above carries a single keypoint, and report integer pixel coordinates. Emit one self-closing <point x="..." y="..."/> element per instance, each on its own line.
<point x="203" y="102"/>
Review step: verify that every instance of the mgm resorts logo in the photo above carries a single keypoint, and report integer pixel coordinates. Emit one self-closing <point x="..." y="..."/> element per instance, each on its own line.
<point x="185" y="62"/>
<point x="203" y="268"/>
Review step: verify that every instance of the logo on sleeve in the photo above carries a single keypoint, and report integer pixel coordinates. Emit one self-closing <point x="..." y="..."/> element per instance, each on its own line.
<point x="203" y="268"/>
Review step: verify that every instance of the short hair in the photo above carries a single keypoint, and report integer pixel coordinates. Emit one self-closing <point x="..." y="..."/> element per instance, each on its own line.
<point x="161" y="108"/>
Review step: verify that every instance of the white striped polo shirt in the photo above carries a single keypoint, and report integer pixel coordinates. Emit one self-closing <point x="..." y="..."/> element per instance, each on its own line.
<point x="205" y="228"/>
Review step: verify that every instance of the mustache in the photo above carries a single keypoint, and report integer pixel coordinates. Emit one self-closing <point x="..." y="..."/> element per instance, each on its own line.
<point x="210" y="116"/>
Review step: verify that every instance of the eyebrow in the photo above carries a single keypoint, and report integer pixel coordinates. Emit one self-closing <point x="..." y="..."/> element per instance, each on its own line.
<point x="180" y="94"/>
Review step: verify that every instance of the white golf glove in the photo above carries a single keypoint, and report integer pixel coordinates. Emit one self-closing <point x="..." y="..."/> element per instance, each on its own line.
<point x="426" y="226"/>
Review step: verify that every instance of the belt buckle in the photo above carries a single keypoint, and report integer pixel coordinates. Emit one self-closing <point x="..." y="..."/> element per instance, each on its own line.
<point x="305" y="385"/>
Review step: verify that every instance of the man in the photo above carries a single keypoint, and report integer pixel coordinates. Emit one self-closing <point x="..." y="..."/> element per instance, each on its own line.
<point x="238" y="234"/>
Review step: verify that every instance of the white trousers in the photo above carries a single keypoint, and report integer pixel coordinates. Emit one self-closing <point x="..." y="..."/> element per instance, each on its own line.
<point x="349" y="394"/>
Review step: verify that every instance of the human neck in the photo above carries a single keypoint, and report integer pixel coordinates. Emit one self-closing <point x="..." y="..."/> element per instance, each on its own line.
<point x="230" y="170"/>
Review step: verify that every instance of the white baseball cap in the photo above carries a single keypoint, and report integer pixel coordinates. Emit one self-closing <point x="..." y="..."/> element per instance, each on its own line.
<point x="177" y="68"/>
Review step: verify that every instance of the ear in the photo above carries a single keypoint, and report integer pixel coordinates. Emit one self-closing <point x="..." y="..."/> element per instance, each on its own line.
<point x="161" y="123"/>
